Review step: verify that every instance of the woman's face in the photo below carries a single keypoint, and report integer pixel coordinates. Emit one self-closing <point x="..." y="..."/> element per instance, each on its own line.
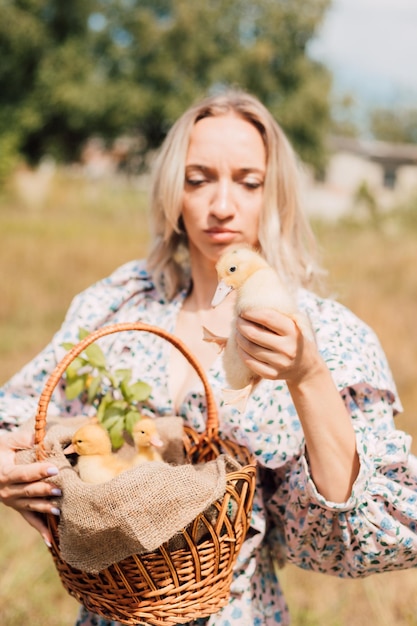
<point x="224" y="186"/>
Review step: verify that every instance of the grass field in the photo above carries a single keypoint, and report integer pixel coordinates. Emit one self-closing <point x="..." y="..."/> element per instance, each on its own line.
<point x="80" y="232"/>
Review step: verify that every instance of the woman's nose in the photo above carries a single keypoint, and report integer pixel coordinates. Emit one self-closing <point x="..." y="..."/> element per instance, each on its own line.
<point x="222" y="205"/>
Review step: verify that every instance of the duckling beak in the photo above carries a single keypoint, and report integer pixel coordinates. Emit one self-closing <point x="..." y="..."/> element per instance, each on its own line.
<point x="70" y="449"/>
<point x="221" y="292"/>
<point x="156" y="441"/>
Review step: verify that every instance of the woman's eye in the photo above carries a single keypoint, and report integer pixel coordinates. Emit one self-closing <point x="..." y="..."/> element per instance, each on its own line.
<point x="194" y="182"/>
<point x="252" y="184"/>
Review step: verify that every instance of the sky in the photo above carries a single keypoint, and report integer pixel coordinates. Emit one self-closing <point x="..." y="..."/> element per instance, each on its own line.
<point x="371" y="48"/>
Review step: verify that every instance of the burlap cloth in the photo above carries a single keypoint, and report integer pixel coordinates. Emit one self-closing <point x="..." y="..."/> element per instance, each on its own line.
<point x="137" y="511"/>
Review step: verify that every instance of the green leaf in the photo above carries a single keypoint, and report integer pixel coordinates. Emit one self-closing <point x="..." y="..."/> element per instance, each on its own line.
<point x="74" y="388"/>
<point x="114" y="409"/>
<point x="67" y="346"/>
<point x="93" y="388"/>
<point x="74" y="367"/>
<point x="123" y="375"/>
<point x="105" y="401"/>
<point x="124" y="388"/>
<point x="95" y="356"/>
<point x="116" y="435"/>
<point x="139" y="391"/>
<point x="131" y="418"/>
<point x="111" y="420"/>
<point x="117" y="405"/>
<point x="112" y="379"/>
<point x="83" y="333"/>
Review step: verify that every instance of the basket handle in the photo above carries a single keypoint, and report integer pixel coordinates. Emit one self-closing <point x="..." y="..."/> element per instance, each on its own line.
<point x="212" y="423"/>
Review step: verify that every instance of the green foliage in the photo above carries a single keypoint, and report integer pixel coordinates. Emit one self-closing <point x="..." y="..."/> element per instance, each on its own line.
<point x="9" y="154"/>
<point x="394" y="125"/>
<point x="112" y="67"/>
<point x="113" y="394"/>
<point x="364" y="197"/>
<point x="343" y="117"/>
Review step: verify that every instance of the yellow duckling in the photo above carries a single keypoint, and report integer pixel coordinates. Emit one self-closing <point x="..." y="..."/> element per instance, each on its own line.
<point x="146" y="439"/>
<point x="257" y="285"/>
<point x="96" y="463"/>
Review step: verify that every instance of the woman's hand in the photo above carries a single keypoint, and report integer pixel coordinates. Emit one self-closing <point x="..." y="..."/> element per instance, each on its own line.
<point x="276" y="346"/>
<point x="23" y="487"/>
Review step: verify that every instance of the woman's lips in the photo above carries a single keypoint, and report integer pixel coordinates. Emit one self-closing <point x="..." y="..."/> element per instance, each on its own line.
<point x="221" y="234"/>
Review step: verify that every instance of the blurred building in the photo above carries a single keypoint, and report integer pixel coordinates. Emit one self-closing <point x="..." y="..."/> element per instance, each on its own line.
<point x="361" y="175"/>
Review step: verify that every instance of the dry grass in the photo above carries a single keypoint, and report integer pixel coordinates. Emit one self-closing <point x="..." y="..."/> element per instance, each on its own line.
<point x="47" y="255"/>
<point x="78" y="233"/>
<point x="30" y="590"/>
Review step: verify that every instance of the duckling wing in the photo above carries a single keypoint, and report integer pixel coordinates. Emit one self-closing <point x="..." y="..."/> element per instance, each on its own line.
<point x="211" y="337"/>
<point x="238" y="375"/>
<point x="146" y="456"/>
<point x="238" y="398"/>
<point x="265" y="289"/>
<point x="91" y="470"/>
<point x="99" y="469"/>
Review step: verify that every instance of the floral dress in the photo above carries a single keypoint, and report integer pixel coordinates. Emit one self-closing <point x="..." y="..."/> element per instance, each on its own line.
<point x="373" y="531"/>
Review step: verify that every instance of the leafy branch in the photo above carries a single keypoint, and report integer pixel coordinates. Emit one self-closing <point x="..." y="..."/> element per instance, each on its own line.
<point x="114" y="396"/>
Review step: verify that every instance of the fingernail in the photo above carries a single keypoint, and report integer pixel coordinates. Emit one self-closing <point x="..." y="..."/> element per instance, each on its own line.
<point x="56" y="492"/>
<point x="47" y="542"/>
<point x="55" y="511"/>
<point x="52" y="471"/>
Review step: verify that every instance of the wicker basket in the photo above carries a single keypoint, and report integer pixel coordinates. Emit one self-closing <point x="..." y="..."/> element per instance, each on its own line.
<point x="164" y="587"/>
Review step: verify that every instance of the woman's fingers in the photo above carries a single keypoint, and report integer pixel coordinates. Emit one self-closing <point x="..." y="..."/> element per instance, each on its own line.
<point x="35" y="505"/>
<point x="265" y="344"/>
<point x="259" y="367"/>
<point x="272" y="345"/>
<point x="25" y="472"/>
<point x="23" y="486"/>
<point x="38" y="524"/>
<point x="270" y="320"/>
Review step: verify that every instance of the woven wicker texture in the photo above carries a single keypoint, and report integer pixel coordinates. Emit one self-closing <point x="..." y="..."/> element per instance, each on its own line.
<point x="165" y="586"/>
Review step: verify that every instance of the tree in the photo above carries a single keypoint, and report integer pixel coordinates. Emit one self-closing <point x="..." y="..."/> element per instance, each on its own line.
<point x="112" y="67"/>
<point x="394" y="125"/>
<point x="343" y="117"/>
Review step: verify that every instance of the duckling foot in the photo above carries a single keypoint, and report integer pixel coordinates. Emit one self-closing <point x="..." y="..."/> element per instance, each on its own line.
<point x="237" y="398"/>
<point x="211" y="337"/>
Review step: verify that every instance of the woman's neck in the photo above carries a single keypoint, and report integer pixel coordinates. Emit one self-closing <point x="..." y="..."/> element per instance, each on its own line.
<point x="196" y="314"/>
<point x="203" y="286"/>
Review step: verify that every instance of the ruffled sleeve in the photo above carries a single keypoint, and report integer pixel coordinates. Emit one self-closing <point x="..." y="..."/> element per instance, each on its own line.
<point x="375" y="529"/>
<point x="98" y="305"/>
<point x="350" y="348"/>
<point x="270" y="426"/>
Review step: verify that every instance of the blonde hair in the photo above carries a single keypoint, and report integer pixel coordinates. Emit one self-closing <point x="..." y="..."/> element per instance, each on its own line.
<point x="285" y="237"/>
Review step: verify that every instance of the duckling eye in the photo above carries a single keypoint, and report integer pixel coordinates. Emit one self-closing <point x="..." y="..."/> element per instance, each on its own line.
<point x="232" y="268"/>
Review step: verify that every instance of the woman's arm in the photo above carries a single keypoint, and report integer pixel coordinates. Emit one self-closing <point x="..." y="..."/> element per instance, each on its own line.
<point x="23" y="487"/>
<point x="375" y="529"/>
<point x="275" y="348"/>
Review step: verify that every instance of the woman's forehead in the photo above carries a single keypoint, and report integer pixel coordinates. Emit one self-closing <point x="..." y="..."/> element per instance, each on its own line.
<point x="226" y="136"/>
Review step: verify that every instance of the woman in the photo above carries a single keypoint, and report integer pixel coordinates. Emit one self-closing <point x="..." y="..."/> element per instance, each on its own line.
<point x="335" y="484"/>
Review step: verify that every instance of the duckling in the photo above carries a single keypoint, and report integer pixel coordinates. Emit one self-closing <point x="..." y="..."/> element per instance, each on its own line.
<point x="257" y="285"/>
<point x="146" y="439"/>
<point x="96" y="463"/>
